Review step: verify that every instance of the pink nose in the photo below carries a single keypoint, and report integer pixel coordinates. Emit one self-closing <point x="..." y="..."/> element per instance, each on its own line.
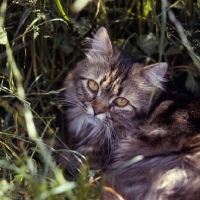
<point x="99" y="106"/>
<point x="98" y="109"/>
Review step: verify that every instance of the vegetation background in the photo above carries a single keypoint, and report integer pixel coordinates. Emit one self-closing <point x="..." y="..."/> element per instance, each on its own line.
<point x="40" y="41"/>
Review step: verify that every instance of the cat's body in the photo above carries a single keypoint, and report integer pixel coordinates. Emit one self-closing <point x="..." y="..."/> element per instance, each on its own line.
<point x="116" y="111"/>
<point x="169" y="143"/>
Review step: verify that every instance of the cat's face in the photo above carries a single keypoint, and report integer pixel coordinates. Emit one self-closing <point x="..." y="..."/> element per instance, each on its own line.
<point x="106" y="93"/>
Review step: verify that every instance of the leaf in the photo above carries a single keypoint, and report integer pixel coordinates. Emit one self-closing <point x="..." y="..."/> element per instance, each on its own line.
<point x="127" y="47"/>
<point x="172" y="50"/>
<point x="146" y="8"/>
<point x="192" y="84"/>
<point x="3" y="36"/>
<point x="66" y="46"/>
<point x="147" y="43"/>
<point x="82" y="27"/>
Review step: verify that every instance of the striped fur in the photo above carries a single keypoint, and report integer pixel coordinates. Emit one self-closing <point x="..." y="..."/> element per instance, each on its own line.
<point x="162" y="159"/>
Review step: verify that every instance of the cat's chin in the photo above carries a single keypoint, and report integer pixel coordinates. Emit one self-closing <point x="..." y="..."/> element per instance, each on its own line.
<point x="95" y="120"/>
<point x="87" y="121"/>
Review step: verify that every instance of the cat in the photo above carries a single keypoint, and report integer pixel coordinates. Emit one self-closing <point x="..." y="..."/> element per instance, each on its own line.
<point x="118" y="110"/>
<point x="166" y="149"/>
<point x="107" y="97"/>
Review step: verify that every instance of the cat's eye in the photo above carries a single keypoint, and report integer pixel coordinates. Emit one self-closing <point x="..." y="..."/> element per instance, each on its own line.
<point x="121" y="101"/>
<point x="93" y="85"/>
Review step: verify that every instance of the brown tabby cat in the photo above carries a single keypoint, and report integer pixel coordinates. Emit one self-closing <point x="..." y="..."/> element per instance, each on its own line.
<point x="108" y="96"/>
<point x="110" y="118"/>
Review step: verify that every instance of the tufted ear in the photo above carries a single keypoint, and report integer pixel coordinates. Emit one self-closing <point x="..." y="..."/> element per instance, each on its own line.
<point x="155" y="73"/>
<point x="101" y="43"/>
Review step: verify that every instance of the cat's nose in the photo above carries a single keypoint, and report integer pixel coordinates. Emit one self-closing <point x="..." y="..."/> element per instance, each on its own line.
<point x="99" y="109"/>
<point x="99" y="106"/>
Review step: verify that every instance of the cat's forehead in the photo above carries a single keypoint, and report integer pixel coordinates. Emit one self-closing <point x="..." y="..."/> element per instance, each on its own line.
<point x="115" y="79"/>
<point x="102" y="67"/>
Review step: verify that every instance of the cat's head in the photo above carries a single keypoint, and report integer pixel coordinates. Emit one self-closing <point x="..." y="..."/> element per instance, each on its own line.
<point x="106" y="93"/>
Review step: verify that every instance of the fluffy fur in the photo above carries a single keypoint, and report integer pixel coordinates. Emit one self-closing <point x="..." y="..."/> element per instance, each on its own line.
<point x="95" y="121"/>
<point x="169" y="147"/>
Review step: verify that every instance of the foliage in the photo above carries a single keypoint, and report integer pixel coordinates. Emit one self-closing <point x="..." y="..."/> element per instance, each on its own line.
<point x="40" y="41"/>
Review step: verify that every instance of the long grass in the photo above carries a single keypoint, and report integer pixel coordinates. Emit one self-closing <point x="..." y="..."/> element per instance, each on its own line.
<point x="40" y="41"/>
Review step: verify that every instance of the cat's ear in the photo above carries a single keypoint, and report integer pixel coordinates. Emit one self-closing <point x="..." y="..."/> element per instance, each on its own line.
<point x="155" y="73"/>
<point x="101" y="43"/>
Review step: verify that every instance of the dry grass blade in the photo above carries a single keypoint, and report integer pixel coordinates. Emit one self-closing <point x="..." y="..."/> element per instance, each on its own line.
<point x="114" y="193"/>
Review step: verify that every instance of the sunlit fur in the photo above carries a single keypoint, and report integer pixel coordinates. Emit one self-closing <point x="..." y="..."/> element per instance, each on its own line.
<point x="94" y="119"/>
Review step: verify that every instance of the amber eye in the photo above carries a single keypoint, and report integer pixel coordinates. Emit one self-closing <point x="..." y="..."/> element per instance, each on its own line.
<point x="120" y="101"/>
<point x="93" y="85"/>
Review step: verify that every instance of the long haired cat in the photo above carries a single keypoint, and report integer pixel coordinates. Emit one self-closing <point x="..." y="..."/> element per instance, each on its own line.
<point x="107" y="97"/>
<point x="166" y="149"/>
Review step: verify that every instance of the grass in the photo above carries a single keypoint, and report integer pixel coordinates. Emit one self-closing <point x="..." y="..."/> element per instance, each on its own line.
<point x="40" y="41"/>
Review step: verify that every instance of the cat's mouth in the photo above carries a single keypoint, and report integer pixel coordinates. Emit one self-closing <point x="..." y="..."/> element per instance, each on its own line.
<point x="93" y="120"/>
<point x="96" y="117"/>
